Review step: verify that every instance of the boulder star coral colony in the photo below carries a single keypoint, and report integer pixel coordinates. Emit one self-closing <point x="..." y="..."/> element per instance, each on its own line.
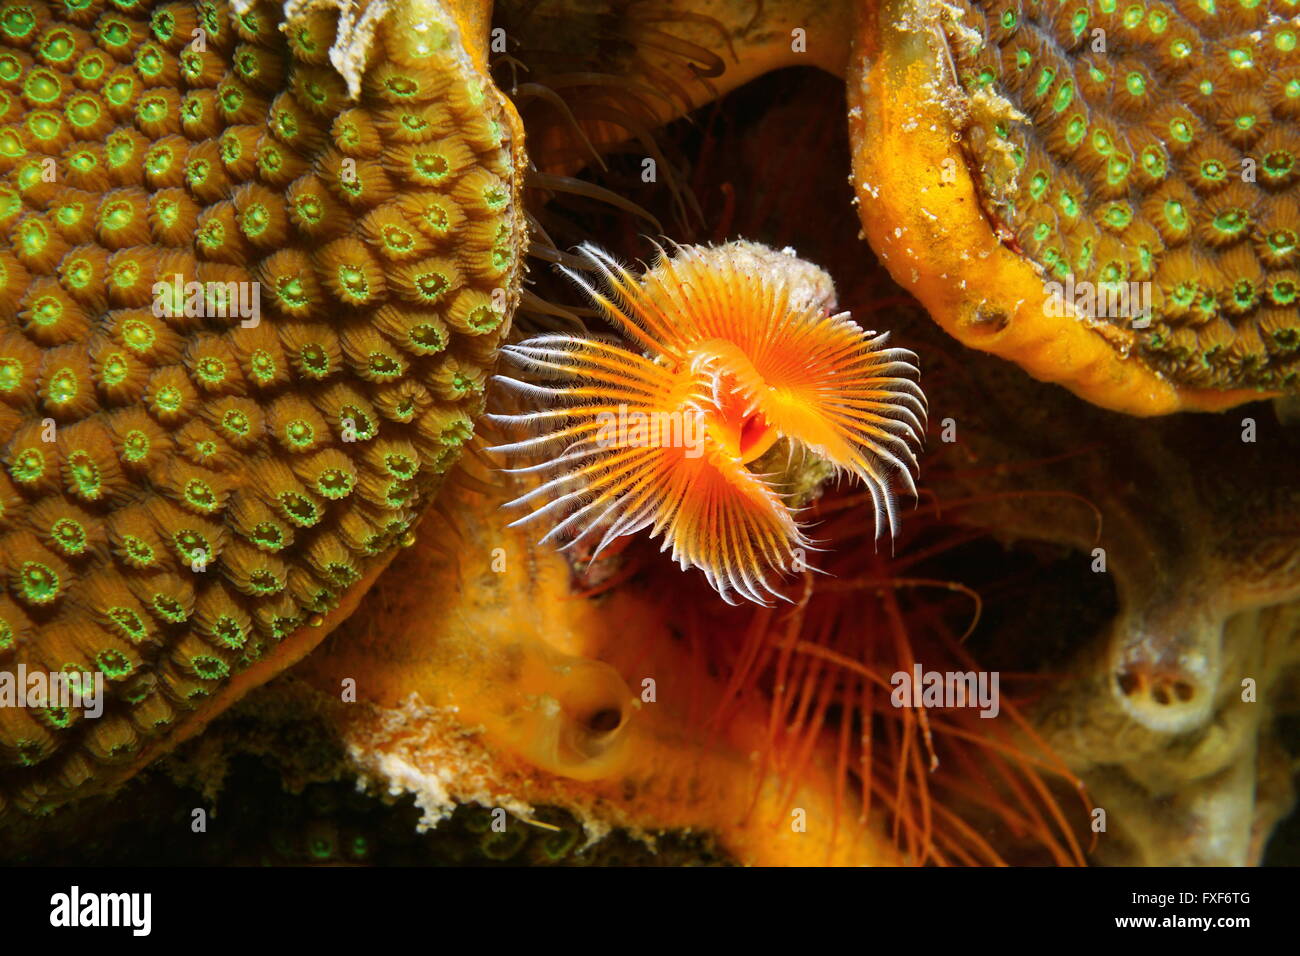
<point x="1117" y="144"/>
<point x="187" y="490"/>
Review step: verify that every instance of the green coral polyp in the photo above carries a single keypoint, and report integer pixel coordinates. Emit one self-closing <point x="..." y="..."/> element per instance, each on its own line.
<point x="229" y="633"/>
<point x="299" y="434"/>
<point x="212" y="371"/>
<point x="335" y="483"/>
<point x="86" y="479"/>
<point x="137" y="552"/>
<point x="199" y="495"/>
<point x="300" y="510"/>
<point x="69" y="536"/>
<point x="135" y="446"/>
<point x="27" y="466"/>
<point x="128" y="623"/>
<point x="168" y="609"/>
<point x="114" y="664"/>
<point x="268" y="536"/>
<point x="236" y="423"/>
<point x="38" y="583"/>
<point x="210" y="668"/>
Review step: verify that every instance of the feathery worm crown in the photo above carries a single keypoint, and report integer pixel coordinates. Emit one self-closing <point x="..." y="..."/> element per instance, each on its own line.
<point x="740" y="340"/>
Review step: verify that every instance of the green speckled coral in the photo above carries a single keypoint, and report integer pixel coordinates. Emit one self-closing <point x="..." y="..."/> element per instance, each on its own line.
<point x="190" y="471"/>
<point x="1126" y="141"/>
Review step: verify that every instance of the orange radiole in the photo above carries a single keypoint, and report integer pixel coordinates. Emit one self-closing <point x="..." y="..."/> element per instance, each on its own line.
<point x="729" y="350"/>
